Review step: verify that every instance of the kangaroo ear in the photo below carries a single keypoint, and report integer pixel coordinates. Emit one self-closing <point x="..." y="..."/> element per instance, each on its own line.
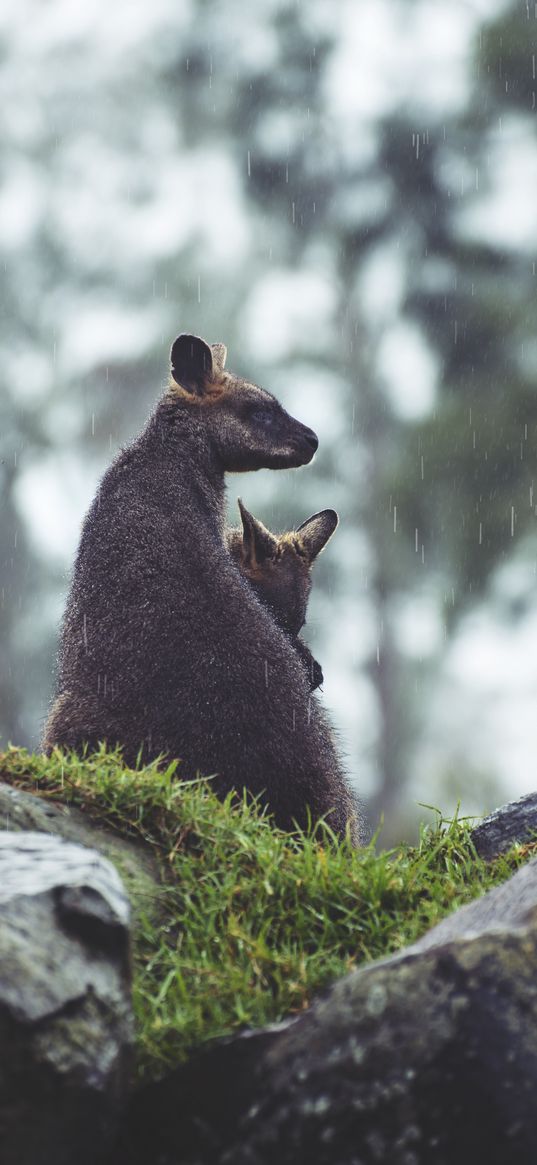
<point x="192" y="363"/>
<point x="316" y="531"/>
<point x="219" y="352"/>
<point x="258" y="543"/>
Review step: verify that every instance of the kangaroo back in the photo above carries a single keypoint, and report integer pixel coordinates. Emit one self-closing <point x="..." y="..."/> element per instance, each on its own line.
<point x="164" y="649"/>
<point x="278" y="568"/>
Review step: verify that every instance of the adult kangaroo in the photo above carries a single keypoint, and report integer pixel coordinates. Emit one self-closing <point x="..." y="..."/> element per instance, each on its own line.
<point x="165" y="649"/>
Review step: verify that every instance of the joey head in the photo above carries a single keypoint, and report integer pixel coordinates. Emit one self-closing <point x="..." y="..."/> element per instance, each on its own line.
<point x="278" y="568"/>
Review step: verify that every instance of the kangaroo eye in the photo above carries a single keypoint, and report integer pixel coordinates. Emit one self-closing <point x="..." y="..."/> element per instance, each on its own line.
<point x="262" y="416"/>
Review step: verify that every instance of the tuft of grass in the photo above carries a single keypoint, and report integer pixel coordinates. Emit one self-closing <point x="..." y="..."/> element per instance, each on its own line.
<point x="252" y="922"/>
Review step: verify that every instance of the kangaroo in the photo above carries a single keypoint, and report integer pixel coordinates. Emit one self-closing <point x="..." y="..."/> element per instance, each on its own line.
<point x="164" y="648"/>
<point x="278" y="569"/>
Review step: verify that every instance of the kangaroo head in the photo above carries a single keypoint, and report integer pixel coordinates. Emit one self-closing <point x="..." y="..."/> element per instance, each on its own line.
<point x="247" y="427"/>
<point x="278" y="567"/>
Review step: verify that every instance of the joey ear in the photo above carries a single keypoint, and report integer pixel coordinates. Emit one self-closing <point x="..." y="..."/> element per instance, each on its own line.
<point x="316" y="531"/>
<point x="219" y="352"/>
<point x="258" y="542"/>
<point x="192" y="363"/>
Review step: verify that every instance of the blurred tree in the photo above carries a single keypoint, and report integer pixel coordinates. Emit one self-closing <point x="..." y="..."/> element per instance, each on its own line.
<point x="463" y="479"/>
<point x="305" y="187"/>
<point x="443" y="500"/>
<point x="97" y="270"/>
<point x="165" y="184"/>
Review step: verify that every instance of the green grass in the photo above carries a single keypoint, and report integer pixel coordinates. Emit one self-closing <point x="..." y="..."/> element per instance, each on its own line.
<point x="250" y="922"/>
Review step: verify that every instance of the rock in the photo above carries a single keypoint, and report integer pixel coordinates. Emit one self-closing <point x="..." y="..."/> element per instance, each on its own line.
<point x="195" y="1110"/>
<point x="24" y="811"/>
<point x="514" y="822"/>
<point x="426" y="1058"/>
<point x="66" y="1025"/>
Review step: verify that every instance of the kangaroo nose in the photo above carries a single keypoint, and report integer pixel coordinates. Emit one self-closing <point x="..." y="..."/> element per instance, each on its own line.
<point x="312" y="439"/>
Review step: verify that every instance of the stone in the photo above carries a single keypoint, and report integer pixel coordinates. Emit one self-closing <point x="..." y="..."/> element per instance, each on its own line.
<point x="515" y="822"/>
<point x="21" y="811"/>
<point x="425" y="1058"/>
<point x="66" y="1025"/>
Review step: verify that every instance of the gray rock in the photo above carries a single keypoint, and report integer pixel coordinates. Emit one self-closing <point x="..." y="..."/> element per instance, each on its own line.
<point x="516" y="821"/>
<point x="66" y="1025"/>
<point x="20" y="811"/>
<point x="426" y="1058"/>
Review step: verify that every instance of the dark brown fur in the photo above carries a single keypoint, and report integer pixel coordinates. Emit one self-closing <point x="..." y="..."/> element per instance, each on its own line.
<point x="164" y="648"/>
<point x="278" y="568"/>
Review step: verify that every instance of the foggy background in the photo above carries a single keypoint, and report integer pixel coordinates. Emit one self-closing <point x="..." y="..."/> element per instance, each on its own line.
<point x="346" y="195"/>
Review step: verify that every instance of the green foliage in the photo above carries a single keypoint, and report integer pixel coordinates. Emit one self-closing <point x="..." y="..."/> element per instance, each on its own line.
<point x="250" y="922"/>
<point x="508" y="47"/>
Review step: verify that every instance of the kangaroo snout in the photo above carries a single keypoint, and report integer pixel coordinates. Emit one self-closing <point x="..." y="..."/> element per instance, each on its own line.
<point x="312" y="440"/>
<point x="306" y="443"/>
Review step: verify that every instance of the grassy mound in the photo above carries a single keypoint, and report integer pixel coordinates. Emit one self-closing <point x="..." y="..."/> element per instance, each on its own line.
<point x="251" y="922"/>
